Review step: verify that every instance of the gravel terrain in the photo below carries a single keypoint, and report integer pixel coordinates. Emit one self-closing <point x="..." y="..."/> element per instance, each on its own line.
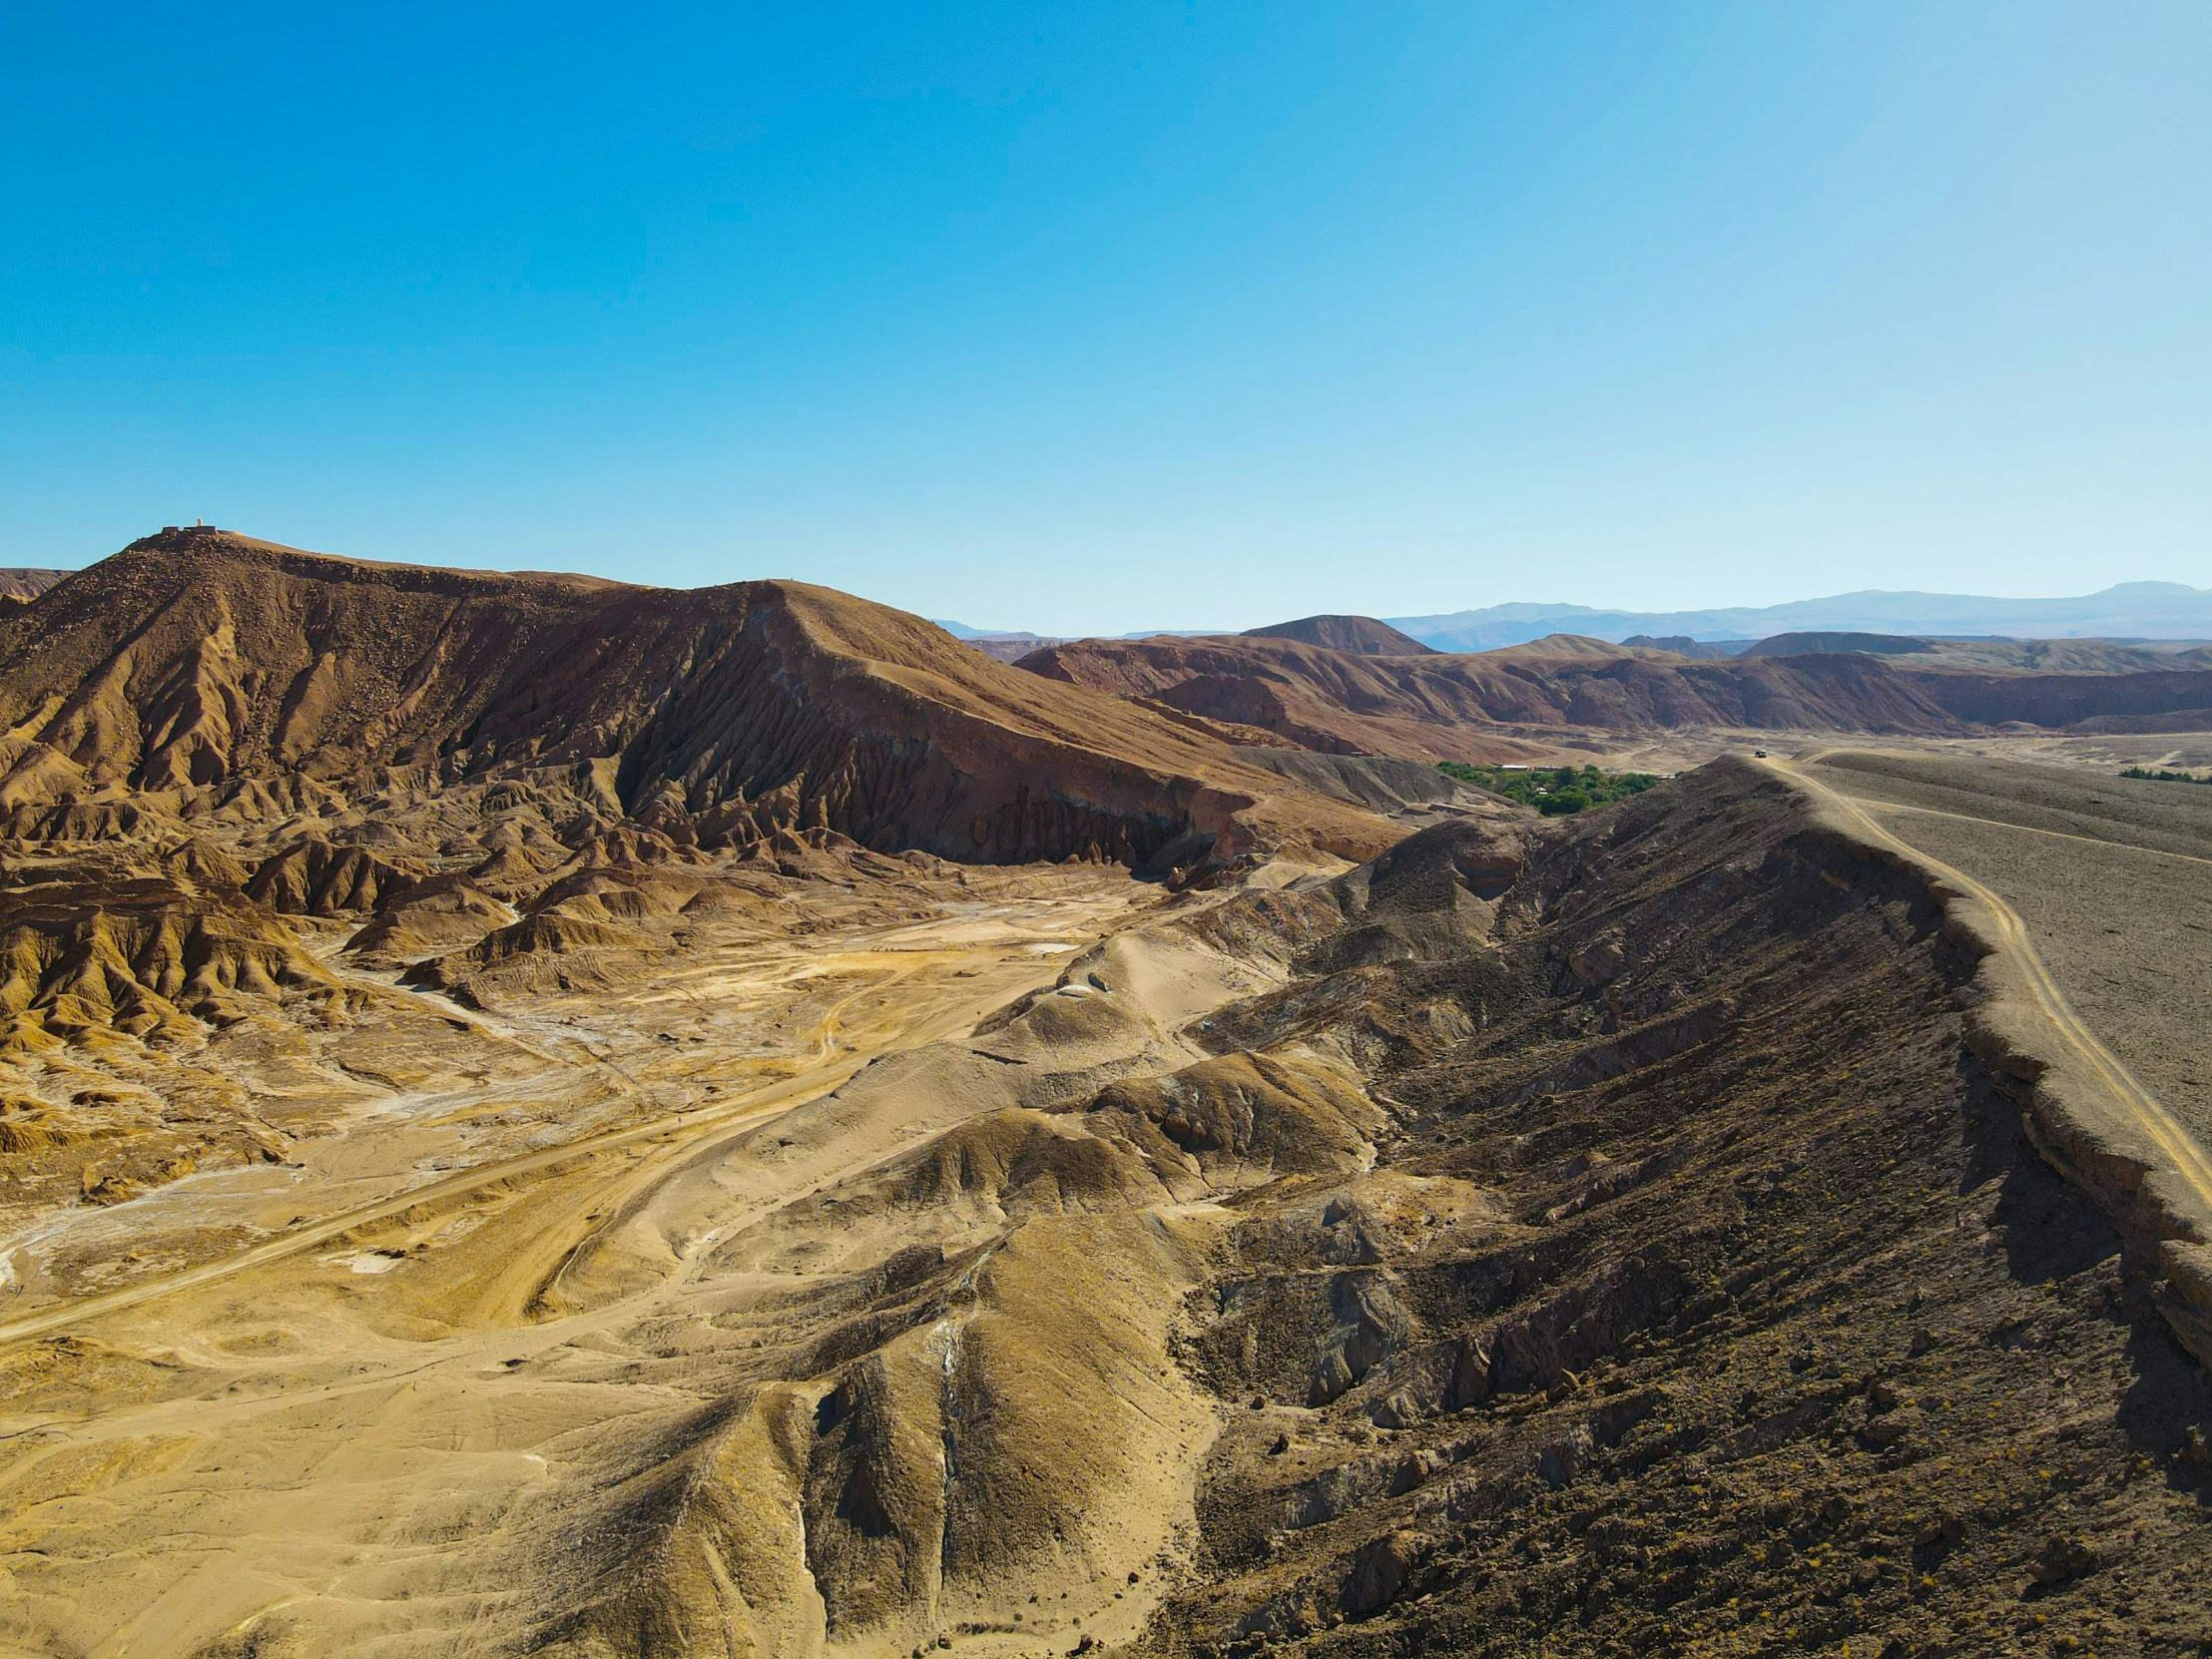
<point x="2114" y="876"/>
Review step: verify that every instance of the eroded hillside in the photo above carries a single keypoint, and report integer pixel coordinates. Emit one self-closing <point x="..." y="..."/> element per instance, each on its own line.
<point x="515" y="1139"/>
<point x="1599" y="1237"/>
<point x="1298" y="686"/>
<point x="201" y="673"/>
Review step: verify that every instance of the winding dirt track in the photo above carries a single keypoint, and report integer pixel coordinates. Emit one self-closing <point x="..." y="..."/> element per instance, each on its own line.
<point x="683" y="1136"/>
<point x="738" y="1114"/>
<point x="2189" y="1160"/>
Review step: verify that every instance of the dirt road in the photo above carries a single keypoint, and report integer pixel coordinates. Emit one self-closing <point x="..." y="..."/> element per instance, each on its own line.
<point x="915" y="989"/>
<point x="1903" y="826"/>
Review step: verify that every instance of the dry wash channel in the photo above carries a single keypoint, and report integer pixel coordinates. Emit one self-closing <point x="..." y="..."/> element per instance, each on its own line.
<point x="472" y="1415"/>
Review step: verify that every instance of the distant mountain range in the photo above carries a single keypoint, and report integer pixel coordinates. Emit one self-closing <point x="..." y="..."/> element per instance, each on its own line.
<point x="1005" y="647"/>
<point x="19" y="582"/>
<point x="961" y="631"/>
<point x="2127" y="611"/>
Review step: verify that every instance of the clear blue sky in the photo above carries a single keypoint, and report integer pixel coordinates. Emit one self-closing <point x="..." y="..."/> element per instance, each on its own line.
<point x="1087" y="319"/>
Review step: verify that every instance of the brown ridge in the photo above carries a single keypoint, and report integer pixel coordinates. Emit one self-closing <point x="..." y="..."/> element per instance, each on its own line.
<point x="1472" y="706"/>
<point x="200" y="661"/>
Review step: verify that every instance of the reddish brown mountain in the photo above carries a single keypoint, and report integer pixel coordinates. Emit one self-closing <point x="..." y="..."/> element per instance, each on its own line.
<point x="199" y="666"/>
<point x="1444" y="707"/>
<point x="2170" y="699"/>
<point x="1363" y="636"/>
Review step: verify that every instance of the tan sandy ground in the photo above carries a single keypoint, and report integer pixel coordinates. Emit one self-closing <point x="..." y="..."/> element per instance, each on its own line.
<point x="863" y="1361"/>
<point x="439" y="1090"/>
<point x="369" y="1431"/>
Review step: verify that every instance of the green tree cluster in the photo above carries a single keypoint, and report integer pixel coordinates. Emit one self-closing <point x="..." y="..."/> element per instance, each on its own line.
<point x="1552" y="791"/>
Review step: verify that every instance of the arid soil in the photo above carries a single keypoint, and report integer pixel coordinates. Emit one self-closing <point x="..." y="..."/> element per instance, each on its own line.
<point x="1511" y="705"/>
<point x="201" y="673"/>
<point x="467" y="1409"/>
<point x="2112" y="875"/>
<point x="1666" y="753"/>
<point x="2065" y="656"/>
<point x="127" y="1161"/>
<point x="515" y="1138"/>
<point x="1363" y="636"/>
<point x="1852" y="1409"/>
<point x="1583" y="1238"/>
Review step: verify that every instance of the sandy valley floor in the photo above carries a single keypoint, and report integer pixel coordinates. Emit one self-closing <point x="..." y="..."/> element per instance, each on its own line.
<point x="296" y="1384"/>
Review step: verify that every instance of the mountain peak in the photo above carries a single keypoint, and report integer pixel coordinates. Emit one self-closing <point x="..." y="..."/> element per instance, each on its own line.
<point x="1363" y="636"/>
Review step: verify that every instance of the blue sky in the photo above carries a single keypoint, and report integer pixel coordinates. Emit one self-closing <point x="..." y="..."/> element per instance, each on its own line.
<point x="1094" y="319"/>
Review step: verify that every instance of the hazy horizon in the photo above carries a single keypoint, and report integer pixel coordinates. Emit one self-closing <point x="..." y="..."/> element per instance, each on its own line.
<point x="1855" y="609"/>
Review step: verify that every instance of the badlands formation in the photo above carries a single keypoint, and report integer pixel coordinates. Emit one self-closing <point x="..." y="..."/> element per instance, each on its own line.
<point x="1321" y="684"/>
<point x="543" y="1116"/>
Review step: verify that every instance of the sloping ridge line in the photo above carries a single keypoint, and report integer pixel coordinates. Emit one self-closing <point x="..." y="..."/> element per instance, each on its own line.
<point x="2086" y="1113"/>
<point x="196" y="662"/>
